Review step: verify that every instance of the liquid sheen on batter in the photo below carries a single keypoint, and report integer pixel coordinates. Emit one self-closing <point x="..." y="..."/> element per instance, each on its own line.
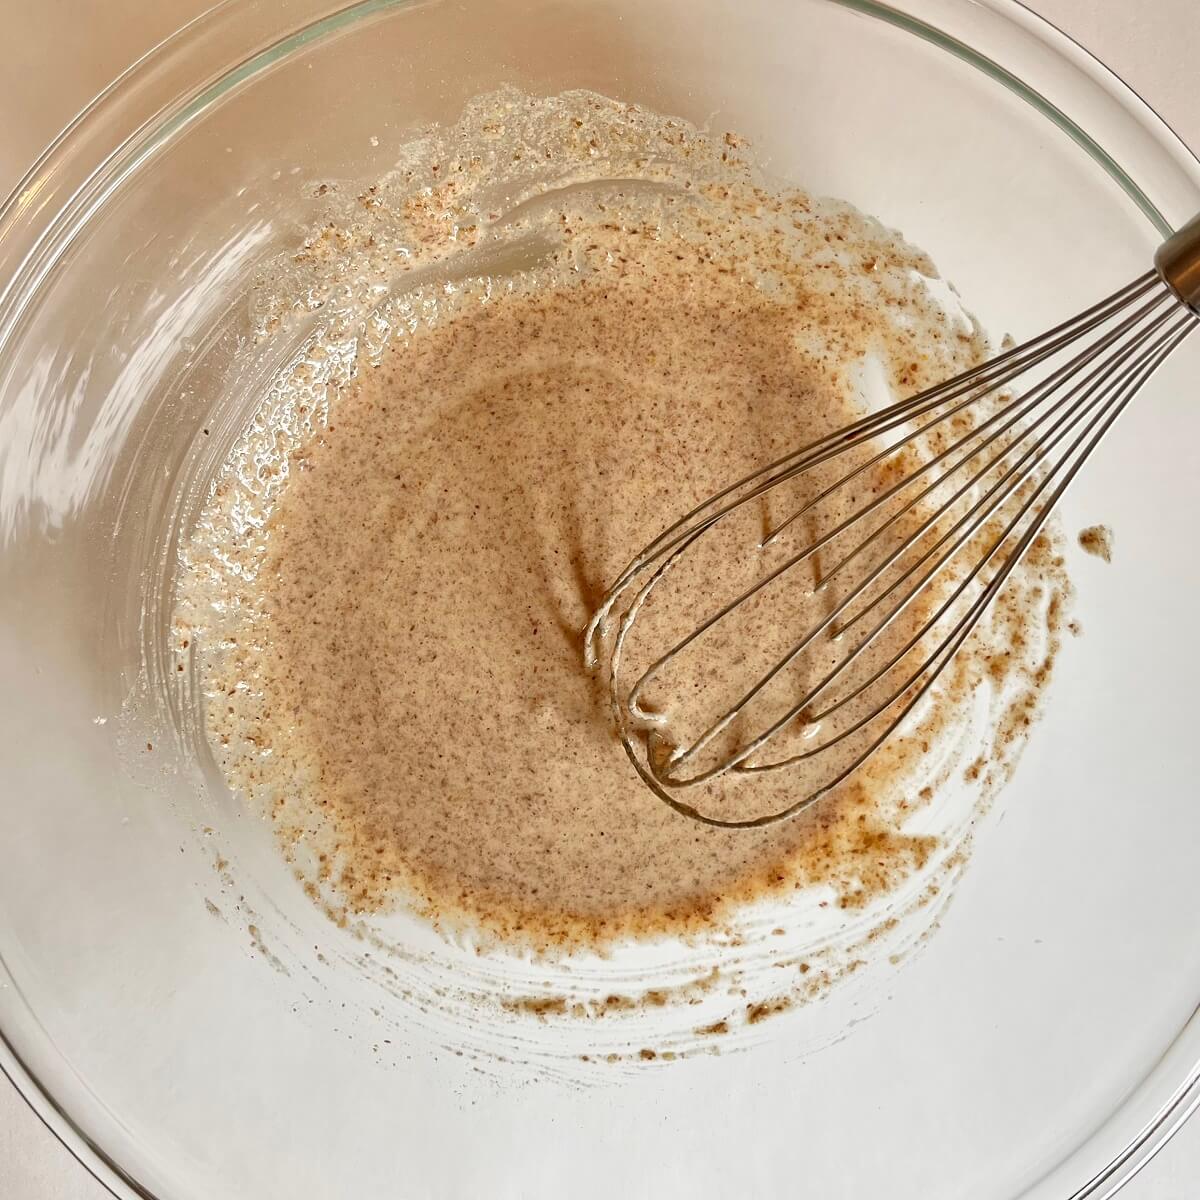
<point x="585" y="319"/>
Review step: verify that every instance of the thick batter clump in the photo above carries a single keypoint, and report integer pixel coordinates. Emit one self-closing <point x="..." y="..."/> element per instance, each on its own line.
<point x="583" y="320"/>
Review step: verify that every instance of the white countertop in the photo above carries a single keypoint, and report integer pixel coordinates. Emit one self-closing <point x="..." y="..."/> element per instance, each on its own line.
<point x="67" y="51"/>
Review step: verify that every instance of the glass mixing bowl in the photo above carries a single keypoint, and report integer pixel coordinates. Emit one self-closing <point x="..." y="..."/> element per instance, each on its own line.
<point x="172" y="1004"/>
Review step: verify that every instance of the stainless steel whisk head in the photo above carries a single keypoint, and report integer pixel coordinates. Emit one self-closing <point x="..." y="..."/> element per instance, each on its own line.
<point x="854" y="568"/>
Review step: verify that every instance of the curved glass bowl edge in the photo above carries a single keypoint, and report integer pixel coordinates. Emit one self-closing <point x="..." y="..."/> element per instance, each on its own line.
<point x="25" y="270"/>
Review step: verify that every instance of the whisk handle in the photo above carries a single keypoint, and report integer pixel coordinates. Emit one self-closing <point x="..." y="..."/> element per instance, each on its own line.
<point x="1178" y="262"/>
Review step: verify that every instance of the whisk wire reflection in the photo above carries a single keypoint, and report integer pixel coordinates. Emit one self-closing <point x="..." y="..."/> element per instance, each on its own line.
<point x="980" y="463"/>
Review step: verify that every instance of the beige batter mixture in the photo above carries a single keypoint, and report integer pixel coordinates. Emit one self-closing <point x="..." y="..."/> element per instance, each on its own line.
<point x="390" y="629"/>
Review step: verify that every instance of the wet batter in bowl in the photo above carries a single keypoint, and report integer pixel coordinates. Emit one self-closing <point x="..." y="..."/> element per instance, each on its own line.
<point x="558" y="325"/>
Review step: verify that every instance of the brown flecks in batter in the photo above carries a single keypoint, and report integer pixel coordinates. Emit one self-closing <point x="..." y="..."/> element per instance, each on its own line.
<point x="612" y="1004"/>
<point x="1097" y="540"/>
<point x="394" y="668"/>
<point x="767" y="1008"/>
<point x="260" y="947"/>
<point x="425" y="630"/>
<point x="538" y="1006"/>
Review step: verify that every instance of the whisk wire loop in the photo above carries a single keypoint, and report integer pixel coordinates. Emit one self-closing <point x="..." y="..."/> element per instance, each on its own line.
<point x="982" y="459"/>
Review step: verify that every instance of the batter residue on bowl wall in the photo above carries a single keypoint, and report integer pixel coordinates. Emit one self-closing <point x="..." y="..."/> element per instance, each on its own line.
<point x="555" y="327"/>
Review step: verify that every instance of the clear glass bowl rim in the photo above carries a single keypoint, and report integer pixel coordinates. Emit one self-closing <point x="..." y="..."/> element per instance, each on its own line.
<point x="182" y="77"/>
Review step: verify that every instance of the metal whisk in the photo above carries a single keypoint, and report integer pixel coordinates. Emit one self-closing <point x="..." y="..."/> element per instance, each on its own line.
<point x="882" y="544"/>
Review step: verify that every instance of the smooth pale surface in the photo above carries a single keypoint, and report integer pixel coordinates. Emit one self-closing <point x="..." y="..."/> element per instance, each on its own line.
<point x="69" y="51"/>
